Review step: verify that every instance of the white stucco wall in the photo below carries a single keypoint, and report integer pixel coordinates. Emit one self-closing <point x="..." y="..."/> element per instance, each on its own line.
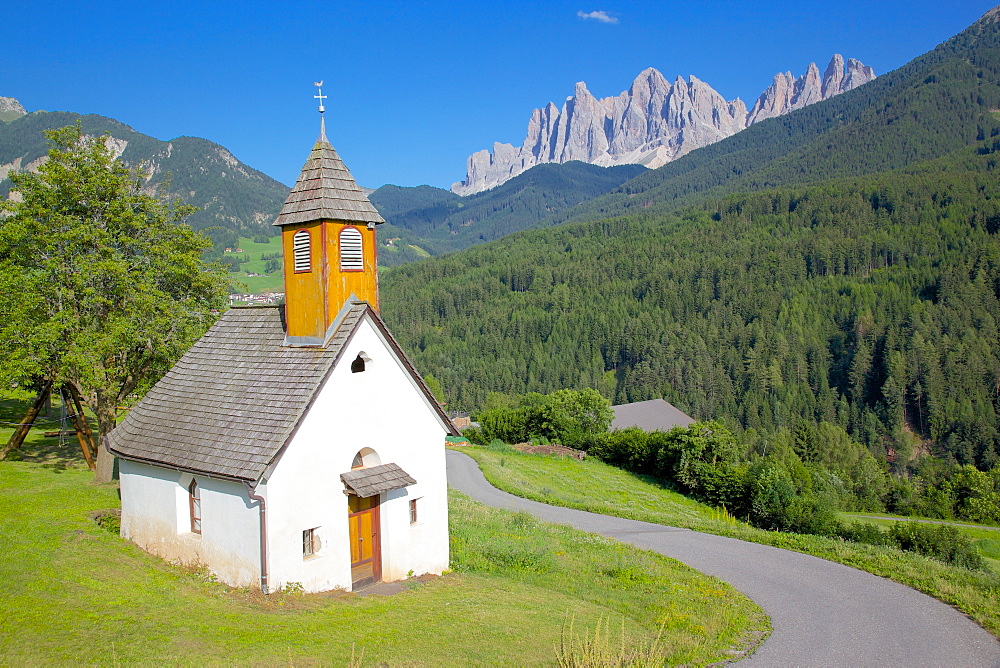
<point x="156" y="516"/>
<point x="380" y="408"/>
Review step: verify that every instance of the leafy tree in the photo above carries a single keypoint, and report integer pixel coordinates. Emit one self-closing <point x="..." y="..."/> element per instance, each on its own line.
<point x="105" y="290"/>
<point x="978" y="494"/>
<point x="565" y="416"/>
<point x="706" y="460"/>
<point x="434" y="385"/>
<point x="771" y="492"/>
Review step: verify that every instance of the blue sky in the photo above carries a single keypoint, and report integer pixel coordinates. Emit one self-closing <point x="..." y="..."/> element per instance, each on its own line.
<point x="415" y="87"/>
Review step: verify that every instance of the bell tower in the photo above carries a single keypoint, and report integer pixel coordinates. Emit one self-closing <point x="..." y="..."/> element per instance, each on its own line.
<point x="328" y="243"/>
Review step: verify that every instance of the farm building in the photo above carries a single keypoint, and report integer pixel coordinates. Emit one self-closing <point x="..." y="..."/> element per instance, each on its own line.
<point x="652" y="415"/>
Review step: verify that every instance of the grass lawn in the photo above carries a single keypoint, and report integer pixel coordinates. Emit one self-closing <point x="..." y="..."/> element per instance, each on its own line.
<point x="77" y="593"/>
<point x="567" y="482"/>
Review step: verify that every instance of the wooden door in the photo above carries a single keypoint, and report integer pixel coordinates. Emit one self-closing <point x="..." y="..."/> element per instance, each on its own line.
<point x="366" y="558"/>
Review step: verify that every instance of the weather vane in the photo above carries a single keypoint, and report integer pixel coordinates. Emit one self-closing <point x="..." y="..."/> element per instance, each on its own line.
<point x="320" y="97"/>
<point x="322" y="118"/>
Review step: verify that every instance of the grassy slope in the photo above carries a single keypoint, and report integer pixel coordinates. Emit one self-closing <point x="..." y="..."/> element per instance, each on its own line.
<point x="986" y="539"/>
<point x="567" y="482"/>
<point x="77" y="593"/>
<point x="256" y="284"/>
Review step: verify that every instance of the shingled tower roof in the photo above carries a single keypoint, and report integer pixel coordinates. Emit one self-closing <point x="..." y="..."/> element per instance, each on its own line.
<point x="325" y="190"/>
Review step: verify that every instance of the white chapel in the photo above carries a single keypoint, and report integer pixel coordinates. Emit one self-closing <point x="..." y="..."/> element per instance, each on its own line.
<point x="295" y="443"/>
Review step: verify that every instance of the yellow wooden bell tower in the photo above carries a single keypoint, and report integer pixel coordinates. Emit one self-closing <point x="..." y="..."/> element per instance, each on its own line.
<point x="328" y="240"/>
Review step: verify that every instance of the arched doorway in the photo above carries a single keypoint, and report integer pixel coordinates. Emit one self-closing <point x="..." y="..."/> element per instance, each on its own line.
<point x="364" y="522"/>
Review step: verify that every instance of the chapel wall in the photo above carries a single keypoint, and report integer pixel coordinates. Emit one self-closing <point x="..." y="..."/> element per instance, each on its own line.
<point x="380" y="408"/>
<point x="156" y="516"/>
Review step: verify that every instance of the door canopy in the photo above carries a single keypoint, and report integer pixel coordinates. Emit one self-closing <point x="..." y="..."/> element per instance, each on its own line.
<point x="375" y="480"/>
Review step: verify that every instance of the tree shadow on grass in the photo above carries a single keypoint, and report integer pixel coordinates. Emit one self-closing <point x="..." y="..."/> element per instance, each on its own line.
<point x="55" y="452"/>
<point x="49" y="452"/>
<point x="660" y="483"/>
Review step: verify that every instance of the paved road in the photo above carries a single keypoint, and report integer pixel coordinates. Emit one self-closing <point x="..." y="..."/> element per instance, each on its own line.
<point x="823" y="613"/>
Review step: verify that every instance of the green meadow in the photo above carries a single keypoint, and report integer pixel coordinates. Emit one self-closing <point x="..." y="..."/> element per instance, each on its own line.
<point x="252" y="251"/>
<point x="520" y="592"/>
<point x="564" y="481"/>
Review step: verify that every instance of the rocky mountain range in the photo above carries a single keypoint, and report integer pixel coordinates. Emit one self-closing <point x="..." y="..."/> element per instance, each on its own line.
<point x="652" y="123"/>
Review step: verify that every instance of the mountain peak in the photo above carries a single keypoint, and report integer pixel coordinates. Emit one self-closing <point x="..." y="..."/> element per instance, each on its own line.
<point x="991" y="16"/>
<point x="652" y="123"/>
<point x="580" y="92"/>
<point x="10" y="109"/>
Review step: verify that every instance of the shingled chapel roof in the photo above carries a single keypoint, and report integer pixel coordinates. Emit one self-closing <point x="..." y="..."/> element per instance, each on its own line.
<point x="231" y="403"/>
<point x="325" y="190"/>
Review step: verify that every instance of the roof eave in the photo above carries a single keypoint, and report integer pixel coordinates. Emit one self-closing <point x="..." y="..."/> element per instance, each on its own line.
<point x="182" y="469"/>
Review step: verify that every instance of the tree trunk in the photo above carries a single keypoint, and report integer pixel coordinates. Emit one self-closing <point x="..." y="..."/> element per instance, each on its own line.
<point x="83" y="421"/>
<point x="79" y="419"/>
<point x="107" y="414"/>
<point x="105" y="470"/>
<point x="17" y="438"/>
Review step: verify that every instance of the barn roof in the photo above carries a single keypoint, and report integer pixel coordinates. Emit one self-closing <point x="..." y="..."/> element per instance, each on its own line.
<point x="325" y="190"/>
<point x="652" y="415"/>
<point x="231" y="403"/>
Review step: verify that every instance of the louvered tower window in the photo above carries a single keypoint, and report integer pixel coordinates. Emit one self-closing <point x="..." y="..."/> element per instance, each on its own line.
<point x="302" y="251"/>
<point x="351" y="253"/>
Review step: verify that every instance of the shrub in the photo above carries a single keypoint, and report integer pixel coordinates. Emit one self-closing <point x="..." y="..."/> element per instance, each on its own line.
<point x="938" y="541"/>
<point x="496" y="445"/>
<point x="813" y="515"/>
<point x="861" y="532"/>
<point x="568" y="417"/>
<point x="475" y="435"/>
<point x="771" y="492"/>
<point x="629" y="449"/>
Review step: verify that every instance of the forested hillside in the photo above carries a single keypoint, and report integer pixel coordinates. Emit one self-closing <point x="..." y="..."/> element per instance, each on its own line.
<point x="870" y="303"/>
<point x="864" y="293"/>
<point x="233" y="199"/>
<point x="437" y="221"/>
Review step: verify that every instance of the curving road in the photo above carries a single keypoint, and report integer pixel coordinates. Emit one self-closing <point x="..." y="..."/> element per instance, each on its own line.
<point x="823" y="613"/>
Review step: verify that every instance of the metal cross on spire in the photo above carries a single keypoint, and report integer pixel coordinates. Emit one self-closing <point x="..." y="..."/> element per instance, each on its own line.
<point x="320" y="97"/>
<point x="322" y="118"/>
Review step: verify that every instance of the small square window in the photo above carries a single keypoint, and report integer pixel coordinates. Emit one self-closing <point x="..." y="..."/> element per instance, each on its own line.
<point x="413" y="511"/>
<point x="310" y="542"/>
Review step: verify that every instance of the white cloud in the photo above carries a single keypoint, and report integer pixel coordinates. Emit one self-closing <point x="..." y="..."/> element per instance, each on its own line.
<point x="599" y="15"/>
